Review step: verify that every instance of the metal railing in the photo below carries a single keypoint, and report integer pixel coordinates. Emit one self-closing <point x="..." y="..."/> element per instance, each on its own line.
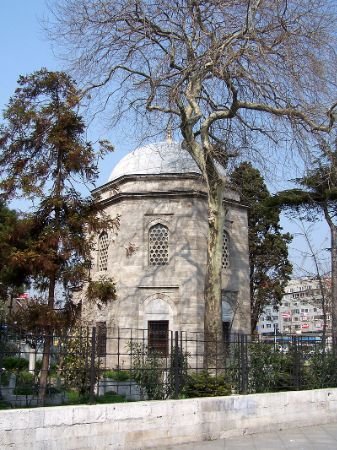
<point x="89" y="364"/>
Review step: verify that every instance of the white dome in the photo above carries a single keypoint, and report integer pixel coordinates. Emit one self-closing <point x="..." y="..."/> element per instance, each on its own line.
<point x="159" y="158"/>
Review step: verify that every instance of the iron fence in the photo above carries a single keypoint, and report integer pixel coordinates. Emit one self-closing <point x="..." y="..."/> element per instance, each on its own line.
<point x="99" y="364"/>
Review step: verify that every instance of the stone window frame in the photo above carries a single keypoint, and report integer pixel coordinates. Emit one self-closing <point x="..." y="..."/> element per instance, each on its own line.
<point x="102" y="264"/>
<point x="150" y="227"/>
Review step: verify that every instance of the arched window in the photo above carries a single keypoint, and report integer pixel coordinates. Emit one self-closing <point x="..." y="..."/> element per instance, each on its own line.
<point x="158" y="245"/>
<point x="225" y="251"/>
<point x="103" y="244"/>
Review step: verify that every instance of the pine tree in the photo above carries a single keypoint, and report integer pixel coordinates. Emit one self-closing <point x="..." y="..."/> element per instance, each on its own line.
<point x="270" y="268"/>
<point x="13" y="236"/>
<point x="43" y="155"/>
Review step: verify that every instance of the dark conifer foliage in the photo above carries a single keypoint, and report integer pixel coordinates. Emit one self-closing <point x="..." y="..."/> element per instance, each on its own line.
<point x="270" y="268"/>
<point x="43" y="156"/>
<point x="13" y="237"/>
<point x="317" y="196"/>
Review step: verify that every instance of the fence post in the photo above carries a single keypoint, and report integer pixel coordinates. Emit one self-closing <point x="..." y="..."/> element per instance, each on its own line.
<point x="118" y="348"/>
<point x="244" y="363"/>
<point x="92" y="366"/>
<point x="296" y="363"/>
<point x="176" y="365"/>
<point x="2" y="329"/>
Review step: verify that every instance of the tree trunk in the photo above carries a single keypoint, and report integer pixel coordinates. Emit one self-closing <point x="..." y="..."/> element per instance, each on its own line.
<point x="333" y="230"/>
<point x="254" y="320"/>
<point x="214" y="345"/>
<point x="48" y="341"/>
<point x="254" y="307"/>
<point x="333" y="233"/>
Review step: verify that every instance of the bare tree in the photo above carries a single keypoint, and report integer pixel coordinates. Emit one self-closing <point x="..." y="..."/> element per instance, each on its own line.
<point x="317" y="197"/>
<point x="322" y="276"/>
<point x="225" y="73"/>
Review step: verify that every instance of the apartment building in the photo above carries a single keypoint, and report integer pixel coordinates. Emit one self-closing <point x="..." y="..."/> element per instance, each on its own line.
<point x="301" y="311"/>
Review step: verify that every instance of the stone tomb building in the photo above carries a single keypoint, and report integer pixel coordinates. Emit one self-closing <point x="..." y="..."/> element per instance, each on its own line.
<point x="158" y="257"/>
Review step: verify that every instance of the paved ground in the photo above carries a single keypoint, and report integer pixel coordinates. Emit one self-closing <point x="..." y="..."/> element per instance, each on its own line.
<point x="319" y="437"/>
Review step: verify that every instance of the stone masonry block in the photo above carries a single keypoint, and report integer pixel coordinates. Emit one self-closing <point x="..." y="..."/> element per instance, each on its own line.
<point x="58" y="416"/>
<point x="89" y="414"/>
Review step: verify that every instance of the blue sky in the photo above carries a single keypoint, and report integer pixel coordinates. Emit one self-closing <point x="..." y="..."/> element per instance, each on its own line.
<point x="24" y="49"/>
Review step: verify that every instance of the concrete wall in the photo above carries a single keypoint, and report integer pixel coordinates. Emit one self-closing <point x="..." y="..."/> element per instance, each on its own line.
<point x="158" y="424"/>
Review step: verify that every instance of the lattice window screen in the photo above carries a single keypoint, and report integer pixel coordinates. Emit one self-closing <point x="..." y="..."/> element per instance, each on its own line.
<point x="103" y="245"/>
<point x="225" y="251"/>
<point x="158" y="245"/>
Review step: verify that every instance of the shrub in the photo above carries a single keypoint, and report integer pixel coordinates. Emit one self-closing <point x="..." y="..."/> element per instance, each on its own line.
<point x="5" y="405"/>
<point x="9" y="348"/>
<point x="12" y="363"/>
<point x="25" y="384"/>
<point x="74" y="398"/>
<point x="177" y="374"/>
<point x="4" y="378"/>
<point x="148" y="371"/>
<point x="203" y="384"/>
<point x="321" y="369"/>
<point x="152" y="374"/>
<point x="38" y="366"/>
<point x="117" y="375"/>
<point x="103" y="290"/>
<point x="75" y="367"/>
<point x="52" y="390"/>
<point x="269" y="370"/>
<point x="111" y="397"/>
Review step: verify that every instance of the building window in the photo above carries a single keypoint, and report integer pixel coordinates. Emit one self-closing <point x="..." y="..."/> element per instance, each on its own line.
<point x="225" y="251"/>
<point x="158" y="245"/>
<point x="158" y="332"/>
<point x="101" y="338"/>
<point x="103" y="245"/>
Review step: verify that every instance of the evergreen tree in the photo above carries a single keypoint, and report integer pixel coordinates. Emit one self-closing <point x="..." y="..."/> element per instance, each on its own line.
<point x="43" y="155"/>
<point x="270" y="268"/>
<point x="317" y="196"/>
<point x="12" y="238"/>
